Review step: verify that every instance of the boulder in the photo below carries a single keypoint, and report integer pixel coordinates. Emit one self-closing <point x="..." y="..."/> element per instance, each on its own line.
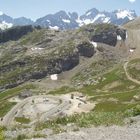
<point x="86" y="49"/>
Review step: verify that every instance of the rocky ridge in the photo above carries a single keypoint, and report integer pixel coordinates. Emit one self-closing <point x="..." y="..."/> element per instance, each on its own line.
<point x="44" y="52"/>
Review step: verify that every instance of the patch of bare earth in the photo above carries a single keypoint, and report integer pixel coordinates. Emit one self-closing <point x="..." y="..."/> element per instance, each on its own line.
<point x="112" y="85"/>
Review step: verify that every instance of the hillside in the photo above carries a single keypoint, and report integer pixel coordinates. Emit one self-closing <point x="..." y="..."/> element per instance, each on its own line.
<point x="135" y="24"/>
<point x="44" y="52"/>
<point x="133" y="40"/>
<point x="60" y="81"/>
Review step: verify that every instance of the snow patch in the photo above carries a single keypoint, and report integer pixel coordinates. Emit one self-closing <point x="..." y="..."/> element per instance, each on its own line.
<point x="66" y="20"/>
<point x="126" y="35"/>
<point x="119" y="37"/>
<point x="54" y="77"/>
<point x="4" y="25"/>
<point x="131" y="50"/>
<point x="94" y="44"/>
<point x="48" y="20"/>
<point x="54" y="27"/>
<point x="88" y="21"/>
<point x="106" y="20"/>
<point x="33" y="49"/>
<point x="97" y="17"/>
<point x="80" y="22"/>
<point x="88" y="13"/>
<point x="125" y="13"/>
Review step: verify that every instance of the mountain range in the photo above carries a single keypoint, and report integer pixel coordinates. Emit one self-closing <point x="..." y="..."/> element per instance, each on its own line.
<point x="63" y="20"/>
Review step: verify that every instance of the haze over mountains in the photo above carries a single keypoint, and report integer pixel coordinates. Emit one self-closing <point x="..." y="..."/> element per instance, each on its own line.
<point x="63" y="20"/>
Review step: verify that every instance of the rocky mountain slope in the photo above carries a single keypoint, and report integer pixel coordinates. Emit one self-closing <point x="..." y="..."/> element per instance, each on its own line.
<point x="135" y="24"/>
<point x="43" y="52"/>
<point x="133" y="41"/>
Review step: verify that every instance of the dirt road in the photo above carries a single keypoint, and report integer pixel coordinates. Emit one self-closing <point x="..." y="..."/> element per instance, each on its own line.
<point x="9" y="117"/>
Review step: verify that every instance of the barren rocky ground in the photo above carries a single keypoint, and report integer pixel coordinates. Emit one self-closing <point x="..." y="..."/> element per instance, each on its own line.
<point x="128" y="132"/>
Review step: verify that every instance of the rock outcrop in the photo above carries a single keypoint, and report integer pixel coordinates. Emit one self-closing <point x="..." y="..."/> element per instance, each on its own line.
<point x="14" y="33"/>
<point x="108" y="35"/>
<point x="86" y="49"/>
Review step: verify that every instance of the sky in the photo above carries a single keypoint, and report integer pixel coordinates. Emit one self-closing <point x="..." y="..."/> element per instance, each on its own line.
<point x="38" y="8"/>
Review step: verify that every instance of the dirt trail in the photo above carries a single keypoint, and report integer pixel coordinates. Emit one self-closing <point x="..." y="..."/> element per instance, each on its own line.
<point x="128" y="76"/>
<point x="133" y="42"/>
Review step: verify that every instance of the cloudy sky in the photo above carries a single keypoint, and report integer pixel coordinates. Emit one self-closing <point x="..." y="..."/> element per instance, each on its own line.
<point x="38" y="8"/>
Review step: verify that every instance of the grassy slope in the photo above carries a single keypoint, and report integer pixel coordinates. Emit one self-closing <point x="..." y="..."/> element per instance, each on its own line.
<point x="112" y="107"/>
<point x="117" y="98"/>
<point x="111" y="102"/>
<point x="134" y="69"/>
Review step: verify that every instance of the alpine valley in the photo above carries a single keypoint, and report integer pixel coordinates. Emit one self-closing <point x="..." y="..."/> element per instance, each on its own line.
<point x="70" y="77"/>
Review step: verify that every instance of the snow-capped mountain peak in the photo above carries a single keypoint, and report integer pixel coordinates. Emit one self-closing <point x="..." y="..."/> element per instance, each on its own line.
<point x="4" y="25"/>
<point x="100" y="16"/>
<point x="90" y="14"/>
<point x="125" y="13"/>
<point x="7" y="21"/>
<point x="118" y="17"/>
